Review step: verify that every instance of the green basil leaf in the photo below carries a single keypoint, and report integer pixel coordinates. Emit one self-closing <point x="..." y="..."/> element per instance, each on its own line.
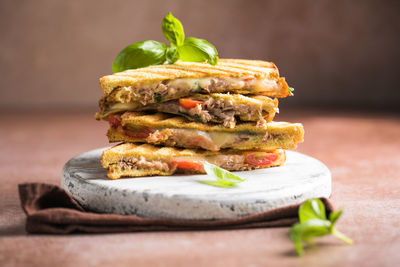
<point x="173" y="30"/>
<point x="226" y="182"/>
<point x="306" y="231"/>
<point x="312" y="209"/>
<point x="334" y="216"/>
<point x="313" y="223"/>
<point x="172" y="54"/>
<point x="198" y="50"/>
<point x="221" y="174"/>
<point x="217" y="184"/>
<point x="139" y="55"/>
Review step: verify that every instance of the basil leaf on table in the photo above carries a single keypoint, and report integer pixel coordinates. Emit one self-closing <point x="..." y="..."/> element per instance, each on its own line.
<point x="198" y="50"/>
<point x="314" y="223"/>
<point x="334" y="216"/>
<point x="139" y="55"/>
<point x="312" y="209"/>
<point x="173" y="30"/>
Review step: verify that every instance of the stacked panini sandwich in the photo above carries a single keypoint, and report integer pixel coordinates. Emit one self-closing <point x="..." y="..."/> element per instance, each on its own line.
<point x="171" y="118"/>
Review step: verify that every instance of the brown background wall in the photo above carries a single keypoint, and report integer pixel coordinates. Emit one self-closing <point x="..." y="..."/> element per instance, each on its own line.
<point x="335" y="53"/>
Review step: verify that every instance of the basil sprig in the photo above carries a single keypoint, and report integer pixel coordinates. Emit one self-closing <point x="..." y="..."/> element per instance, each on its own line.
<point x="223" y="177"/>
<point x="314" y="223"/>
<point x="149" y="52"/>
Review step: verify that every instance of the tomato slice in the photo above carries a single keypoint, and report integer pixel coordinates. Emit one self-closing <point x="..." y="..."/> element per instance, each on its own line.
<point x="248" y="79"/>
<point x="141" y="132"/>
<point x="260" y="159"/>
<point x="189" y="103"/>
<point x="187" y="165"/>
<point x="114" y="120"/>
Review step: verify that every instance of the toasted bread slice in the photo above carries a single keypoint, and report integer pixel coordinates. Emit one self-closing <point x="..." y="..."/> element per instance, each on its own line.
<point x="218" y="108"/>
<point x="134" y="160"/>
<point x="180" y="79"/>
<point x="176" y="131"/>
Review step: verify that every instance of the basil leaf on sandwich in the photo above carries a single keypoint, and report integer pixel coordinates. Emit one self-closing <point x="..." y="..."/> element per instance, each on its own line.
<point x="147" y="53"/>
<point x="173" y="30"/>
<point x="198" y="50"/>
<point x="172" y="54"/>
<point x="139" y="55"/>
<point x="223" y="177"/>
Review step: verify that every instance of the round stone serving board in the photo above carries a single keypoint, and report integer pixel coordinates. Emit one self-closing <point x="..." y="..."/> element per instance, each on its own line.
<point x="183" y="197"/>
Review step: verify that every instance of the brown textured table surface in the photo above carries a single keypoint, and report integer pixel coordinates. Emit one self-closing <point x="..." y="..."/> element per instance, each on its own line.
<point x="361" y="150"/>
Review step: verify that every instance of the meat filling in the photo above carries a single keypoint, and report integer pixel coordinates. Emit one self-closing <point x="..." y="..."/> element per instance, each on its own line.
<point x="142" y="164"/>
<point x="216" y="110"/>
<point x="156" y="92"/>
<point x="168" y="89"/>
<point x="232" y="162"/>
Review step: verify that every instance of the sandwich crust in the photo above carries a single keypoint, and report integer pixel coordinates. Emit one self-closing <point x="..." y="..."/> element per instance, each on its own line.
<point x="233" y="68"/>
<point x="218" y="108"/>
<point x="170" y="121"/>
<point x="161" y="129"/>
<point x="133" y="160"/>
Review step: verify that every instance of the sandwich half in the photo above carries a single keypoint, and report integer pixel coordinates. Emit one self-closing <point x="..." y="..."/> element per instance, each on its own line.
<point x="136" y="160"/>
<point x="218" y="108"/>
<point x="177" y="131"/>
<point x="161" y="83"/>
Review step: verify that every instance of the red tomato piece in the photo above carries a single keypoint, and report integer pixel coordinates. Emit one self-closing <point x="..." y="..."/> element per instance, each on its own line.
<point x="139" y="133"/>
<point x="188" y="165"/>
<point x="114" y="120"/>
<point x="260" y="159"/>
<point x="189" y="103"/>
<point x="248" y="79"/>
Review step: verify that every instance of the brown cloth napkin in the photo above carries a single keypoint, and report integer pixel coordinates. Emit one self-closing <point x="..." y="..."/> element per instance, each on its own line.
<point x="50" y="209"/>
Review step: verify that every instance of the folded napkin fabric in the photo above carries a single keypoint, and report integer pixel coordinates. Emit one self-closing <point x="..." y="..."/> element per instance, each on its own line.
<point x="50" y="209"/>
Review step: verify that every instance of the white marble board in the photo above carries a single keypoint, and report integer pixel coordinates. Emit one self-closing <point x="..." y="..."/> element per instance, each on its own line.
<point x="182" y="197"/>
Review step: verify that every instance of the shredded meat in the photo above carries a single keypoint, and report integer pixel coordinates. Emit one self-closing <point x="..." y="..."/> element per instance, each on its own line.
<point x="145" y="92"/>
<point x="216" y="110"/>
<point x="216" y="85"/>
<point x="228" y="162"/>
<point x="159" y="136"/>
<point x="142" y="163"/>
<point x="231" y="162"/>
<point x="202" y="114"/>
<point x="144" y="95"/>
<point x="222" y="110"/>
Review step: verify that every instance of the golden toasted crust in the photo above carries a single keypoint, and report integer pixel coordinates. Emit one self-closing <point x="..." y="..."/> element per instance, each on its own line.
<point x="288" y="140"/>
<point x="150" y="152"/>
<point x="167" y="121"/>
<point x="235" y="68"/>
<point x="116" y="172"/>
<point x="112" y="156"/>
<point x="163" y="132"/>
